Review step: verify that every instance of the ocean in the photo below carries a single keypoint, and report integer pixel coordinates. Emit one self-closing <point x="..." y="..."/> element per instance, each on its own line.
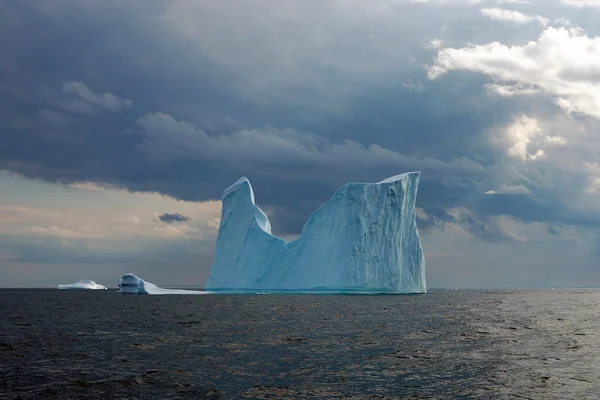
<point x="447" y="344"/>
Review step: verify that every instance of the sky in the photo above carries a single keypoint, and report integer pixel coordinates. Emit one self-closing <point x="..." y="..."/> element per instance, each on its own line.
<point x="121" y="123"/>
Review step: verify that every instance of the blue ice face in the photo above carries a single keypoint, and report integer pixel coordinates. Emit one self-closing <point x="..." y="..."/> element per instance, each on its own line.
<point x="364" y="239"/>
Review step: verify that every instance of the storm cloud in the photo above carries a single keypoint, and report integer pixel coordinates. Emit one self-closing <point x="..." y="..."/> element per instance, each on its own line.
<point x="170" y="218"/>
<point x="496" y="105"/>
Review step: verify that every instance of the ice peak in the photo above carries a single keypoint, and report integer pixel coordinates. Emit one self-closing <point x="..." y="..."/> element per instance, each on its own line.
<point x="399" y="177"/>
<point x="240" y="183"/>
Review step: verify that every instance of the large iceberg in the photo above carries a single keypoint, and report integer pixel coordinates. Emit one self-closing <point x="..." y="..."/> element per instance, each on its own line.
<point x="364" y="239"/>
<point x="82" y="284"/>
<point x="131" y="284"/>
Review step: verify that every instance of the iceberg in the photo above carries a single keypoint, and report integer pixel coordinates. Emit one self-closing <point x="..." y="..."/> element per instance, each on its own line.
<point x="131" y="284"/>
<point x="82" y="284"/>
<point x="363" y="240"/>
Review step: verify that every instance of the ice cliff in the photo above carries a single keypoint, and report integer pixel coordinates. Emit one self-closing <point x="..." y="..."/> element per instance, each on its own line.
<point x="82" y="284"/>
<point x="364" y="239"/>
<point x="131" y="284"/>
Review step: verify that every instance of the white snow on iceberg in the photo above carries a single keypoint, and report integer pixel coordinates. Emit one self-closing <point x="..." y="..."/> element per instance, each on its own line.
<point x="131" y="284"/>
<point x="364" y="239"/>
<point x="82" y="284"/>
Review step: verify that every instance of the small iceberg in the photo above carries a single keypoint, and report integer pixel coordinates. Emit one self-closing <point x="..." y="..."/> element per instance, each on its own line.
<point x="131" y="284"/>
<point x="82" y="284"/>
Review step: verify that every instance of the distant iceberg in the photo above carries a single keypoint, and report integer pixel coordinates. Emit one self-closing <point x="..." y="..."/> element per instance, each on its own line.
<point x="364" y="239"/>
<point x="131" y="284"/>
<point x="82" y="284"/>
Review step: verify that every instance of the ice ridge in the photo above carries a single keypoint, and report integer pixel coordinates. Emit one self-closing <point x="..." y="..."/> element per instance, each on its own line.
<point x="82" y="284"/>
<point x="132" y="284"/>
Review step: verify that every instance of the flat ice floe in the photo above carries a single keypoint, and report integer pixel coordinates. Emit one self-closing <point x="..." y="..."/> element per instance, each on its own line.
<point x="82" y="284"/>
<point x="132" y="284"/>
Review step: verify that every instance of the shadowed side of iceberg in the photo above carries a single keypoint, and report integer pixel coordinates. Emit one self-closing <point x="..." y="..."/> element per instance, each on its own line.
<point x="363" y="240"/>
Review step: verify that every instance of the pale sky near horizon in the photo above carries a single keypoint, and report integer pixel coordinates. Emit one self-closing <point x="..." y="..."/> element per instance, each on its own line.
<point x="122" y="122"/>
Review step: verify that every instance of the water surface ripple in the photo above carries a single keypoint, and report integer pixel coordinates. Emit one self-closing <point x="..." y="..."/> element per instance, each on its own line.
<point x="446" y="344"/>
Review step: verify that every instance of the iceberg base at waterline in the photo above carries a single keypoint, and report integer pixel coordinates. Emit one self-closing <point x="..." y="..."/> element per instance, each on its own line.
<point x="363" y="240"/>
<point x="82" y="284"/>
<point x="131" y="284"/>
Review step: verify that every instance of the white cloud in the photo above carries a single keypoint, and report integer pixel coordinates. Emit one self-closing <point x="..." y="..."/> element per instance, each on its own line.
<point x="133" y="219"/>
<point x="510" y="91"/>
<point x="593" y="170"/>
<point x="516" y="17"/>
<point x="111" y="247"/>
<point x="175" y="231"/>
<point x="518" y="238"/>
<point x="564" y="63"/>
<point x="214" y="223"/>
<point x="563" y="22"/>
<point x="582" y="3"/>
<point x="555" y="141"/>
<point x="538" y="154"/>
<point x="519" y="135"/>
<point x="58" y="231"/>
<point x="435" y="44"/>
<point x="92" y="186"/>
<point x="105" y="100"/>
<point x="513" y="2"/>
<point x="467" y="2"/>
<point x="554" y="156"/>
<point x="509" y="189"/>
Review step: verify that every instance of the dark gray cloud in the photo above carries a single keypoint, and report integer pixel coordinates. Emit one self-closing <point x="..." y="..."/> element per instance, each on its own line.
<point x="168" y="101"/>
<point x="435" y="217"/>
<point x="170" y="218"/>
<point x="484" y="228"/>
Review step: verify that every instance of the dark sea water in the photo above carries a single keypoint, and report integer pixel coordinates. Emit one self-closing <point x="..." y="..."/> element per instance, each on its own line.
<point x="442" y="345"/>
